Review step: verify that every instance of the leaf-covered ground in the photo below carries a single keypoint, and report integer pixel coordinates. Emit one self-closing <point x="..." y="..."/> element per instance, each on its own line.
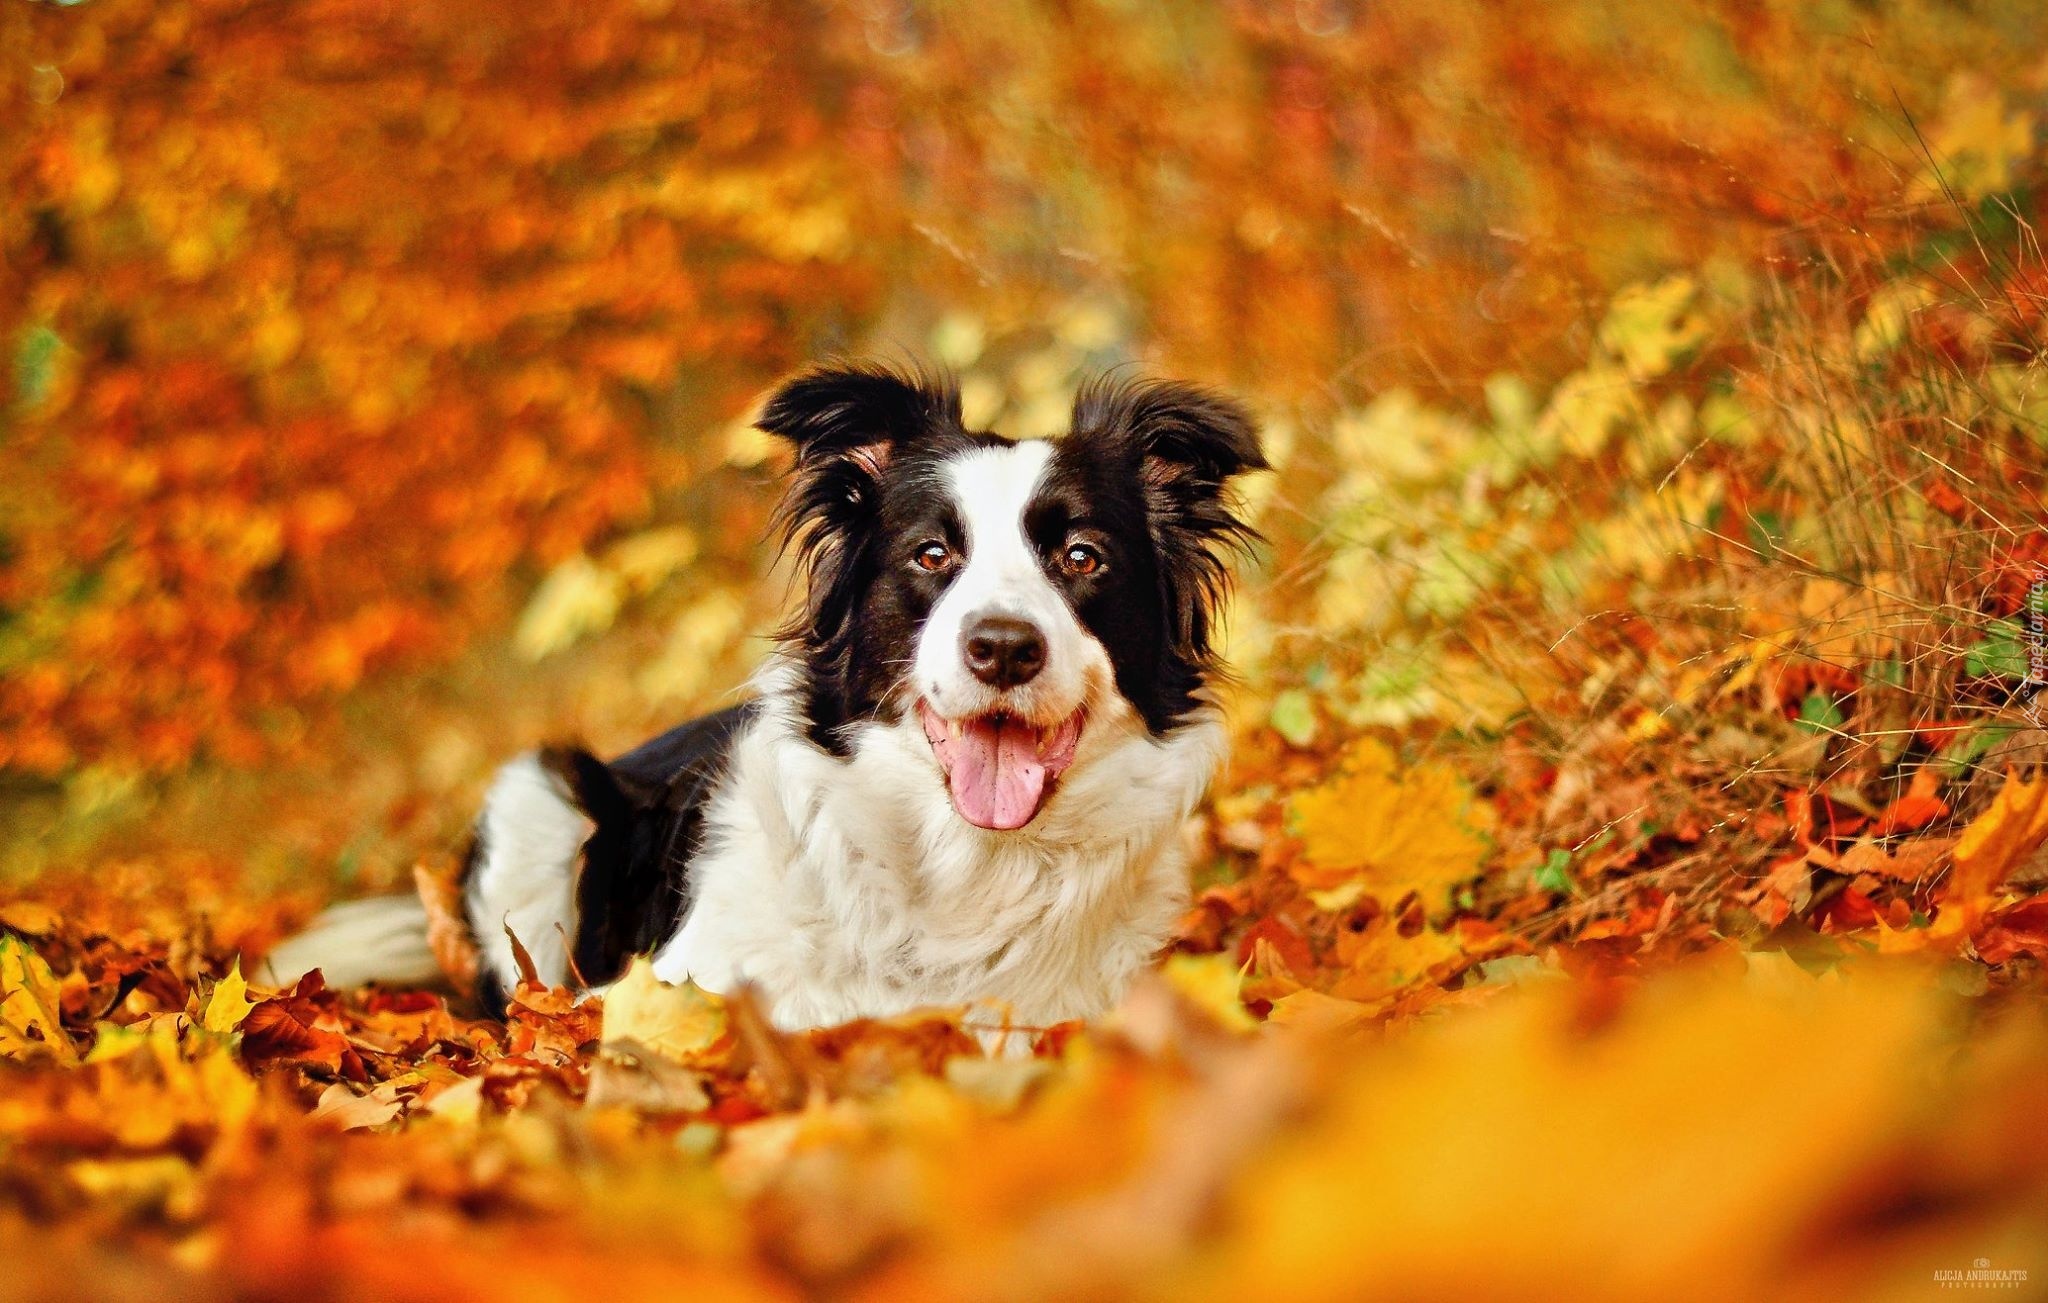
<point x="1657" y="963"/>
<point x="1628" y="879"/>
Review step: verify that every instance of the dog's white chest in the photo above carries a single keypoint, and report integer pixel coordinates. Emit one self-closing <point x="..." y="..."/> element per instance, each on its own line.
<point x="848" y="889"/>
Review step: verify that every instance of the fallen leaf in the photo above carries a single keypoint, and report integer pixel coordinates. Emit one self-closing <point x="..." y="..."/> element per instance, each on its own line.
<point x="31" y="1017"/>
<point x="1994" y="843"/>
<point x="1211" y="984"/>
<point x="289" y="1030"/>
<point x="682" y="1023"/>
<point x="229" y="1004"/>
<point x="1913" y="861"/>
<point x="628" y="1075"/>
<point x="1920" y="806"/>
<point x="1371" y="828"/>
<point x="448" y="934"/>
<point x="342" y="1107"/>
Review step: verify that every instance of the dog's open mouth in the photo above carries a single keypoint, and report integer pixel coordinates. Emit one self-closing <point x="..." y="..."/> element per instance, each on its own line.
<point x="1000" y="768"/>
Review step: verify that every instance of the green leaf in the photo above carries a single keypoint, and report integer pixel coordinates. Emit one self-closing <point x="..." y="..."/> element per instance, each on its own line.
<point x="35" y="364"/>
<point x="1555" y="873"/>
<point x="2001" y="654"/>
<point x="1957" y="758"/>
<point x="1294" y="717"/>
<point x="1819" y="714"/>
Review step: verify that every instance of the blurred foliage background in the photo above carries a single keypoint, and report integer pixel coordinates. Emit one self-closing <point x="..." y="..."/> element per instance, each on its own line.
<point x="378" y="374"/>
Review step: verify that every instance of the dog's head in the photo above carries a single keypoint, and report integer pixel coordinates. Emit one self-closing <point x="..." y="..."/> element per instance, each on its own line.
<point x="1001" y="593"/>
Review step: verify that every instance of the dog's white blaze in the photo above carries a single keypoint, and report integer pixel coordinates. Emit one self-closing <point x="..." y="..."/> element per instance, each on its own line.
<point x="991" y="487"/>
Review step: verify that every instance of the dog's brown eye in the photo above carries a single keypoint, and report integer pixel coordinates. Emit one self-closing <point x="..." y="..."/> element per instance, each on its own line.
<point x="934" y="556"/>
<point x="1081" y="559"/>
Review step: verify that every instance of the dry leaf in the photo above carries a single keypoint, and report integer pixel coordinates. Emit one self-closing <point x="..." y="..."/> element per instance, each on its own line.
<point x="1371" y="828"/>
<point x="683" y="1023"/>
<point x="1994" y="843"/>
<point x="448" y="934"/>
<point x="229" y="1004"/>
<point x="31" y="1011"/>
<point x="342" y="1107"/>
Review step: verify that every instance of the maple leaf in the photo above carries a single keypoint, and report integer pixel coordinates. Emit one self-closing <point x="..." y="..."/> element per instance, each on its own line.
<point x="2011" y="828"/>
<point x="1372" y="829"/>
<point x="684" y="1023"/>
<point x="229" y="1004"/>
<point x="1379" y="961"/>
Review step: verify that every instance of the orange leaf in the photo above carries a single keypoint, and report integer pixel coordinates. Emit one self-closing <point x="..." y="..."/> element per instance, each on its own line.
<point x="1998" y="839"/>
<point x="1916" y="809"/>
<point x="1912" y="862"/>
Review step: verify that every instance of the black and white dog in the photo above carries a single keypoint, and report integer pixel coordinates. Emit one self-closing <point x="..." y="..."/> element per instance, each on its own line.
<point x="961" y="780"/>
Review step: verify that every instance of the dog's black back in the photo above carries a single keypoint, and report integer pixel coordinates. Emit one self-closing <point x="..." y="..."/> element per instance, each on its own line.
<point x="648" y="805"/>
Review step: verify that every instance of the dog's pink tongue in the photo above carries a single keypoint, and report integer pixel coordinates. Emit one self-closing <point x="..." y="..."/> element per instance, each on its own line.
<point x="996" y="775"/>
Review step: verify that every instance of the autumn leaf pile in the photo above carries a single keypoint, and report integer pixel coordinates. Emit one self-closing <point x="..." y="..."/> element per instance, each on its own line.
<point x="1628" y="878"/>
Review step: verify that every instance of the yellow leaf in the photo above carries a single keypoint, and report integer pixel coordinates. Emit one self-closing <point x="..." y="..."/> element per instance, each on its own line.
<point x="1649" y="327"/>
<point x="1372" y="828"/>
<point x="1210" y="982"/>
<point x="1887" y="318"/>
<point x="958" y="339"/>
<point x="1380" y="961"/>
<point x="1975" y="143"/>
<point x="650" y="558"/>
<point x="695" y="641"/>
<point x="1996" y="841"/>
<point x="229" y="1003"/>
<point x="746" y="445"/>
<point x="1316" y="1014"/>
<point x="1585" y="410"/>
<point x="576" y="600"/>
<point x="684" y="1023"/>
<point x="31" y="1024"/>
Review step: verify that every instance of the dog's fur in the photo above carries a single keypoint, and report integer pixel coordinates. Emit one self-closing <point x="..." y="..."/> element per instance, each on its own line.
<point x="961" y="780"/>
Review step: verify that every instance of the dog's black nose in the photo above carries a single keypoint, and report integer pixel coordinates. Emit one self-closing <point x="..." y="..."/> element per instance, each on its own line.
<point x="1003" y="651"/>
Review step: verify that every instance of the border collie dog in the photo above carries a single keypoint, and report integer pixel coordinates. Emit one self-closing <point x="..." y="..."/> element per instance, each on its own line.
<point x="962" y="777"/>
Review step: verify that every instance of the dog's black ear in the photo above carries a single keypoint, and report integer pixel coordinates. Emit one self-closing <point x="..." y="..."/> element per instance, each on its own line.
<point x="1186" y="444"/>
<point x="856" y="412"/>
<point x="847" y="422"/>
<point x="1188" y="434"/>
